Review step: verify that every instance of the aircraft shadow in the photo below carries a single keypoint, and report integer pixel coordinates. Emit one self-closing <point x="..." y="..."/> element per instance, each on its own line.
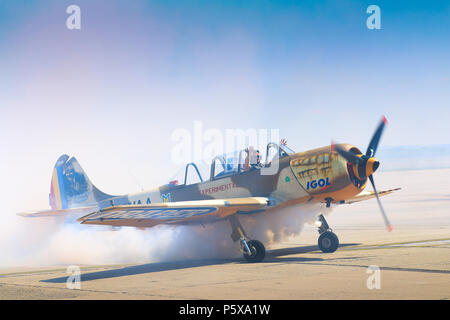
<point x="303" y="249"/>
<point x="273" y="256"/>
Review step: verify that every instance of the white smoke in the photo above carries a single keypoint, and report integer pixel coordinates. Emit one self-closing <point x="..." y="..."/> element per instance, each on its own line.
<point x="275" y="226"/>
<point x="31" y="242"/>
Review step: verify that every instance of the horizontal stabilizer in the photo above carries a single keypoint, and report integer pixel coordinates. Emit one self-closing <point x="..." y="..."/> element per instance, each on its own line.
<point x="61" y="212"/>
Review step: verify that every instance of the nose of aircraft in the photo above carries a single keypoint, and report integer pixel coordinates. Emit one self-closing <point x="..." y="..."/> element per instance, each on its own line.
<point x="375" y="166"/>
<point x="372" y="165"/>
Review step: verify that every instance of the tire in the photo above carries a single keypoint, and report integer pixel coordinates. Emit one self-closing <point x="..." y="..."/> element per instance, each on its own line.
<point x="258" y="251"/>
<point x="328" y="242"/>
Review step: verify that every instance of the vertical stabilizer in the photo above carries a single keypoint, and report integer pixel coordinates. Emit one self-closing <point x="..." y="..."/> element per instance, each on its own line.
<point x="71" y="187"/>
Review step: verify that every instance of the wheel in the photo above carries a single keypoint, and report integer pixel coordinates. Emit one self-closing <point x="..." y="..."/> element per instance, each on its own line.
<point x="328" y="242"/>
<point x="257" y="249"/>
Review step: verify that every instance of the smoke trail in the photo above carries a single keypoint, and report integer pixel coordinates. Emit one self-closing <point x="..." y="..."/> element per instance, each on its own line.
<point x="272" y="227"/>
<point x="34" y="242"/>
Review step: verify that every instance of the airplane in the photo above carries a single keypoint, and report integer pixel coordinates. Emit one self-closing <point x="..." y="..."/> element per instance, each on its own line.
<point x="335" y="174"/>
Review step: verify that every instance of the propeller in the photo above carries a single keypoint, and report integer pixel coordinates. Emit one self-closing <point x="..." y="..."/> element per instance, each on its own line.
<point x="364" y="165"/>
<point x="383" y="213"/>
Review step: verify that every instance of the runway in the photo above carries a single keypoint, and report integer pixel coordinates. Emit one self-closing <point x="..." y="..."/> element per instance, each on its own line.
<point x="413" y="259"/>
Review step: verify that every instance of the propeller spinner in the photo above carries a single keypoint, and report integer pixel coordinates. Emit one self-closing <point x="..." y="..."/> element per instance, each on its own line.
<point x="364" y="165"/>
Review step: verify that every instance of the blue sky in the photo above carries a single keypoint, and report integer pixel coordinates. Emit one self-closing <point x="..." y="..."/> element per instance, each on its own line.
<point x="113" y="92"/>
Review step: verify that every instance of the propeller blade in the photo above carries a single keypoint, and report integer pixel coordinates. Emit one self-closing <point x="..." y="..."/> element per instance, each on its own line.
<point x="386" y="220"/>
<point x="349" y="156"/>
<point x="373" y="145"/>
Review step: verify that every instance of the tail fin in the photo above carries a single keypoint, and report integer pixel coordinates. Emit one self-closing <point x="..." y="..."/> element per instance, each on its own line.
<point x="71" y="187"/>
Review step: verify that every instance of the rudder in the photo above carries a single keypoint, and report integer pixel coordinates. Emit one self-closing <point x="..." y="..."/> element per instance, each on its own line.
<point x="70" y="186"/>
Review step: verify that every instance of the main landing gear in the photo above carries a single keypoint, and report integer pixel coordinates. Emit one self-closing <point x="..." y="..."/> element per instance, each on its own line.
<point x="328" y="241"/>
<point x="253" y="250"/>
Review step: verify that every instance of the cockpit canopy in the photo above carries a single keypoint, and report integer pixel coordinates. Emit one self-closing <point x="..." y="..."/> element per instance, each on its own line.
<point x="230" y="164"/>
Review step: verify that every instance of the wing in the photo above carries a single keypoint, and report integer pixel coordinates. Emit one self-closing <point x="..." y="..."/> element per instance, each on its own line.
<point x="182" y="212"/>
<point x="365" y="195"/>
<point x="62" y="212"/>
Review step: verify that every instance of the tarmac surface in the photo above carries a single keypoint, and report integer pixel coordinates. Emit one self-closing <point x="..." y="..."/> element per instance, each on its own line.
<point x="413" y="259"/>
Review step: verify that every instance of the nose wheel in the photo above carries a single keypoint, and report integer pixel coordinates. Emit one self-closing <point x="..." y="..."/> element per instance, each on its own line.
<point x="328" y="241"/>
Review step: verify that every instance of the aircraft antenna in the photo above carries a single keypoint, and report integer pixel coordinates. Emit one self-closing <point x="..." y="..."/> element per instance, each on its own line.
<point x="135" y="179"/>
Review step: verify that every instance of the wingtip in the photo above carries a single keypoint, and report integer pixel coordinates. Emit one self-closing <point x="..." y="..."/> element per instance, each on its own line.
<point x="383" y="118"/>
<point x="389" y="228"/>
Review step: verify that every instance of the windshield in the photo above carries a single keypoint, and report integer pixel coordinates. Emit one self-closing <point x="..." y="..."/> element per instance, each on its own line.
<point x="286" y="149"/>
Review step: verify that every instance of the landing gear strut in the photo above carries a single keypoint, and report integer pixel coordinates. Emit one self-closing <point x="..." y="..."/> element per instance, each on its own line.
<point x="253" y="250"/>
<point x="328" y="241"/>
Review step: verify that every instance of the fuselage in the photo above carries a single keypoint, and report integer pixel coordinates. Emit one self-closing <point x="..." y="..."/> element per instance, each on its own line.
<point x="315" y="175"/>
